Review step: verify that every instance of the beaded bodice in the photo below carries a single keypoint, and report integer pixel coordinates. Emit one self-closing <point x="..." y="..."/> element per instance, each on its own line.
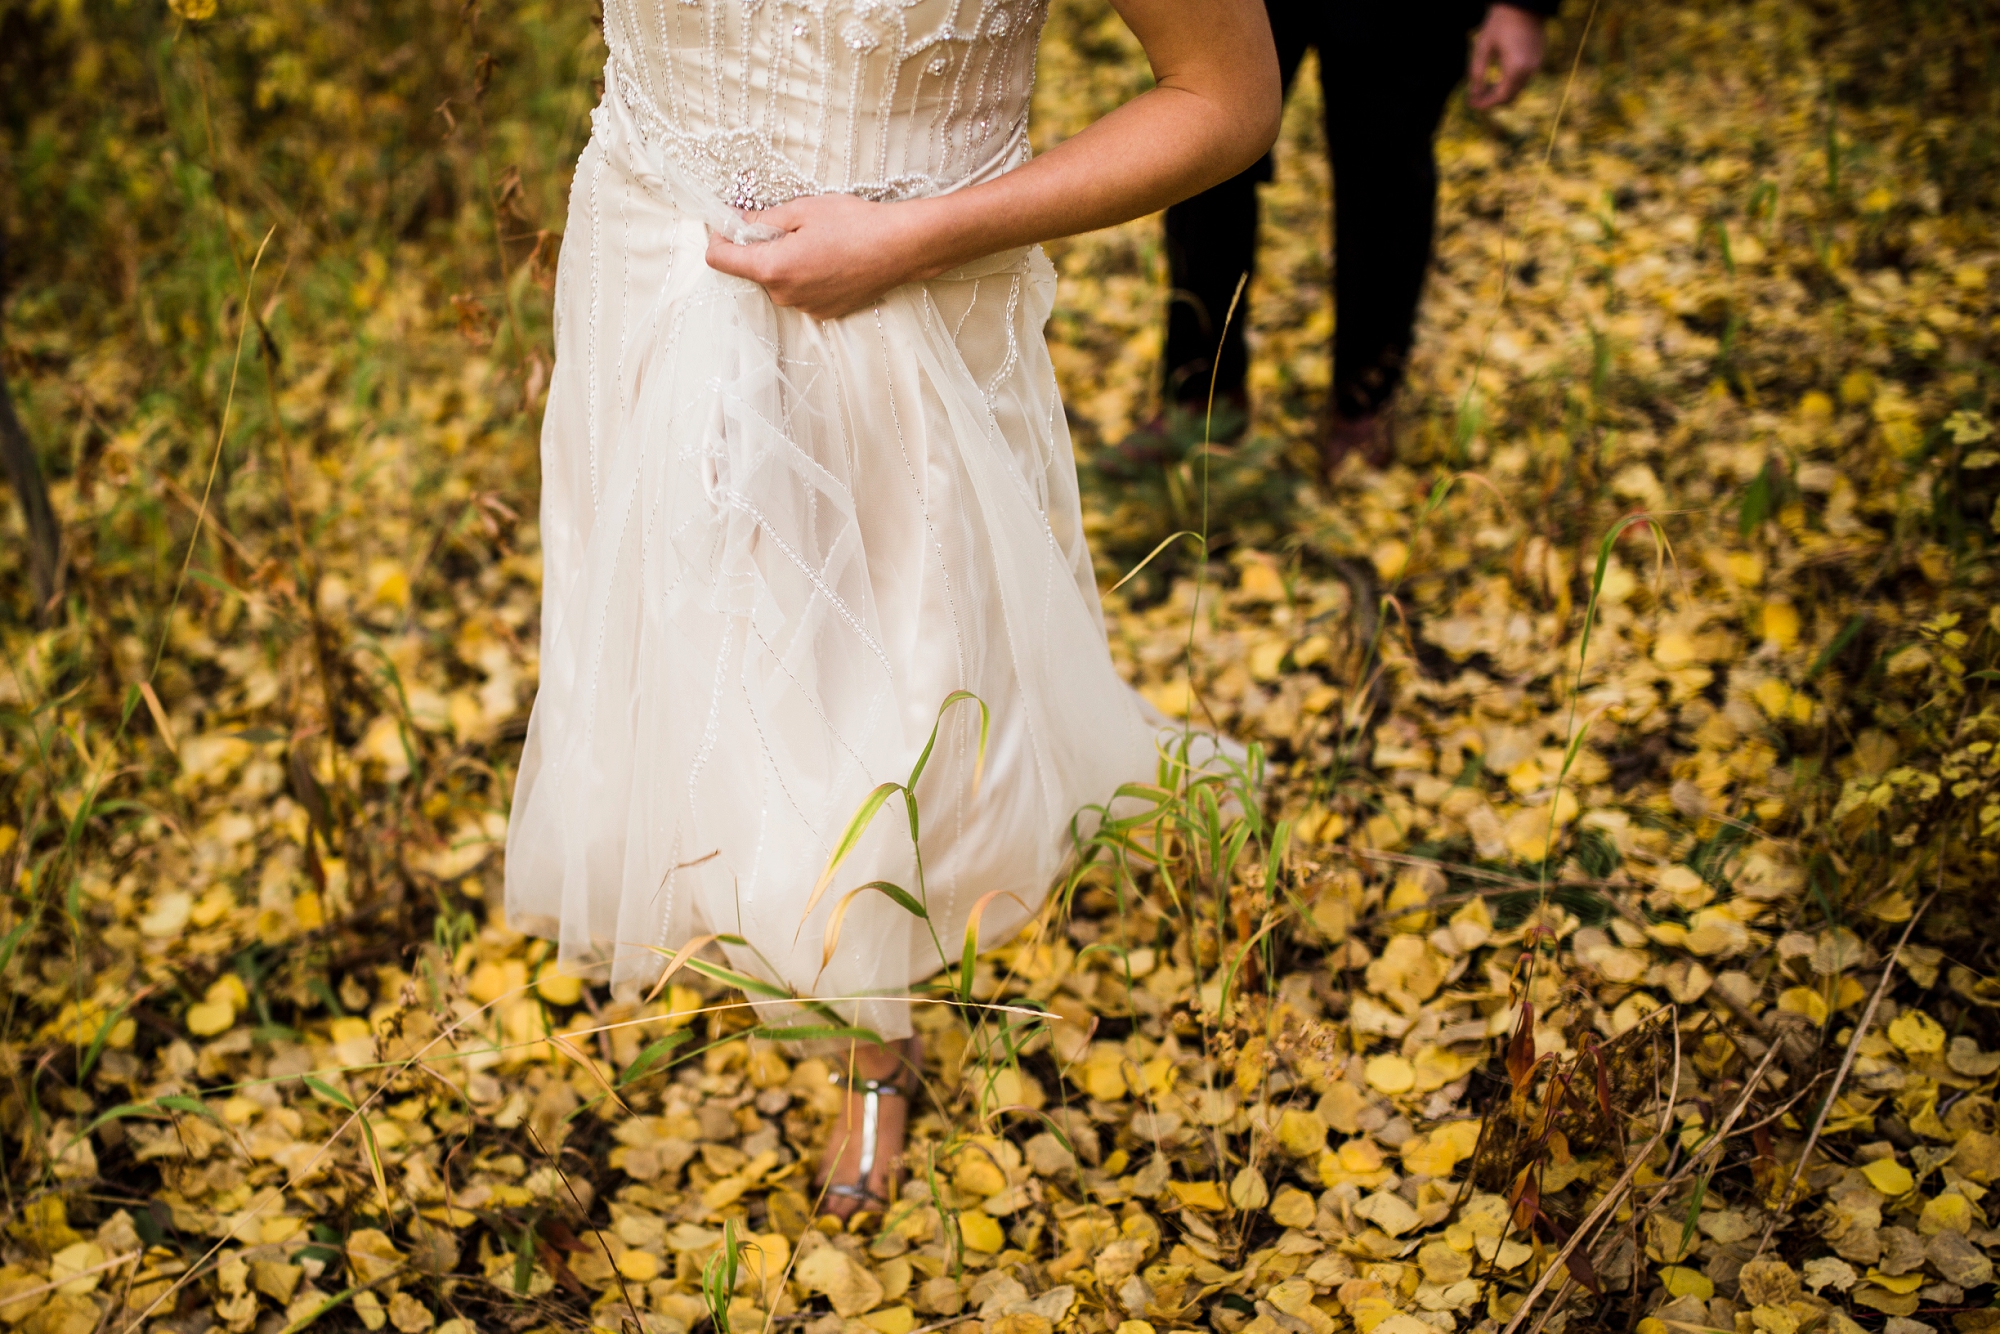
<point x="764" y="101"/>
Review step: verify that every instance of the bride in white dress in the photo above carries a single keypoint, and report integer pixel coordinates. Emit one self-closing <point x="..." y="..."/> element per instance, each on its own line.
<point x="806" y="475"/>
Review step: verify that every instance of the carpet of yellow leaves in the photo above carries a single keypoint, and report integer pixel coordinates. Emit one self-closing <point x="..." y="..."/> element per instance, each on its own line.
<point x="1614" y="952"/>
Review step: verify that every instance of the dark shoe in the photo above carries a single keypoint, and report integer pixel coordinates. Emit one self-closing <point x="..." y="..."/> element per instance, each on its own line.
<point x="1370" y="438"/>
<point x="1174" y="432"/>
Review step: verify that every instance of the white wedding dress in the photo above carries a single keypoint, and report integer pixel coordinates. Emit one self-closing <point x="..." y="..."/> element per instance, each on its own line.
<point x="773" y="546"/>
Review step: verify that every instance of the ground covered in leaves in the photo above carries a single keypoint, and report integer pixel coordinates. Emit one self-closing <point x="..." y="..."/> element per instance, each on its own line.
<point x="1607" y="947"/>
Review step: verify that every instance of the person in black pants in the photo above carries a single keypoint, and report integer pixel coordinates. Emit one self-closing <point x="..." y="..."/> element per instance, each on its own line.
<point x="1385" y="73"/>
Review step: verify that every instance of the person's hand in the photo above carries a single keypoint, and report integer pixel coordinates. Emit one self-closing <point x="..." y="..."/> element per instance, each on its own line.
<point x="837" y="255"/>
<point x="1505" y="55"/>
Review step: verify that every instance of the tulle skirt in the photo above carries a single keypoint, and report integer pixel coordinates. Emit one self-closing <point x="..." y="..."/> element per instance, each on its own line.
<point x="773" y="547"/>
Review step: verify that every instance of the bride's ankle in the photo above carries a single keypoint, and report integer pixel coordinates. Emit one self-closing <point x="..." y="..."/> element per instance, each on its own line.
<point x="863" y="1157"/>
<point x="872" y="1060"/>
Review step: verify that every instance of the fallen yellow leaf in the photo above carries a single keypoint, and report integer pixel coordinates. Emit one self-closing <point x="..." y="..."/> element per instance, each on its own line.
<point x="1950" y="1212"/>
<point x="205" y="1019"/>
<point x="1917" y="1033"/>
<point x="981" y="1231"/>
<point x="1889" y="1176"/>
<point x="1203" y="1195"/>
<point x="1390" y="1074"/>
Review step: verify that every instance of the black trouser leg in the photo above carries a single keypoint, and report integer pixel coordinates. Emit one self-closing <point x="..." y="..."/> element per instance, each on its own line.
<point x="1212" y="243"/>
<point x="1386" y="81"/>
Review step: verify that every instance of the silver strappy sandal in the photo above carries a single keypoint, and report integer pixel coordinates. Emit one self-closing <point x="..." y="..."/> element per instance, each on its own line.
<point x="872" y="1092"/>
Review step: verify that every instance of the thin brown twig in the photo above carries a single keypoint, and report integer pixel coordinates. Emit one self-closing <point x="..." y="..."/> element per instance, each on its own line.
<point x="1715" y="1141"/>
<point x="124" y="1299"/>
<point x="1840" y="1076"/>
<point x="1743" y="1015"/>
<point x="555" y="1161"/>
<point x="193" y="505"/>
<point x="1784" y="1106"/>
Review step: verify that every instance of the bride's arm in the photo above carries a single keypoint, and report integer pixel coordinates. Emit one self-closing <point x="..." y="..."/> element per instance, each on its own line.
<point x="1213" y="111"/>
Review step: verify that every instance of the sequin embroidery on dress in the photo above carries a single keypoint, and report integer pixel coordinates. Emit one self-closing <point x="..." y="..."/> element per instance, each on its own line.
<point x="764" y="101"/>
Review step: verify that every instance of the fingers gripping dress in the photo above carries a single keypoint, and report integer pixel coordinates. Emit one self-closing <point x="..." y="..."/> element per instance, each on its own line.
<point x="773" y="546"/>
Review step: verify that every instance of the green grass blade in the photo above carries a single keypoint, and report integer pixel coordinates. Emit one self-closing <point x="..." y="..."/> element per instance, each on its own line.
<point x="985" y="725"/>
<point x="329" y="1092"/>
<point x="651" y="1056"/>
<point x="849" y="837"/>
<point x="181" y="1102"/>
<point x="97" y="1042"/>
<point x="753" y="986"/>
<point x="1837" y="645"/>
<point x="12" y="940"/>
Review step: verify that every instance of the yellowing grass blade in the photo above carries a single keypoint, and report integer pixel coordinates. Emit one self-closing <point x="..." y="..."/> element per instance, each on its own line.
<point x="972" y="935"/>
<point x="159" y="713"/>
<point x="856" y="827"/>
<point x="674" y="963"/>
<point x="895" y="893"/>
<point x="684" y="957"/>
<point x="848" y="838"/>
<point x="1165" y="542"/>
<point x="1229" y="978"/>
<point x="979" y="760"/>
<point x="816" y="1033"/>
<point x="744" y="982"/>
<point x="569" y="1049"/>
<point x="375" y="1164"/>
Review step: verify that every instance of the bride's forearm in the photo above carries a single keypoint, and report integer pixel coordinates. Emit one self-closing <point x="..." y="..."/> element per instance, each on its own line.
<point x="1158" y="148"/>
<point x="1213" y="111"/>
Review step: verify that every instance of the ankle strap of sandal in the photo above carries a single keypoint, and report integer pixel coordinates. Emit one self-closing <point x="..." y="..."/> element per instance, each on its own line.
<point x="872" y="1092"/>
<point x="871" y="1087"/>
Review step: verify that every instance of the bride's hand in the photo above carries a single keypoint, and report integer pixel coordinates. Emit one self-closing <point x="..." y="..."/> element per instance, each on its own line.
<point x="837" y="254"/>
